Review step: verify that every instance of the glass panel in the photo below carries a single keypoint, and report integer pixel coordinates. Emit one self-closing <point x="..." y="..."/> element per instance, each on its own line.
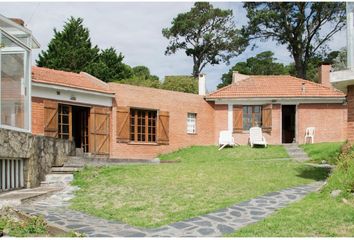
<point x="13" y="89"/>
<point x="247" y="117"/>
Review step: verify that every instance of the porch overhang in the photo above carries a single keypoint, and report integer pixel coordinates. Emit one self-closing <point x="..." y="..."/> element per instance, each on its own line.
<point x="342" y="79"/>
<point x="72" y="95"/>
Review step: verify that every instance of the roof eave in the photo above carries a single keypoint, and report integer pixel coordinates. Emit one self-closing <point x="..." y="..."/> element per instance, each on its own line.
<point x="64" y="87"/>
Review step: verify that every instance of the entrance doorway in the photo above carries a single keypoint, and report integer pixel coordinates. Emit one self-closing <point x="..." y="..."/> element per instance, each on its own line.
<point x="73" y="125"/>
<point x="288" y="123"/>
<point x="80" y="131"/>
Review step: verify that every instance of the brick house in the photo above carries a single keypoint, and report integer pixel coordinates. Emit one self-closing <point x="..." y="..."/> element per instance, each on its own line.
<point x="132" y="122"/>
<point x="284" y="106"/>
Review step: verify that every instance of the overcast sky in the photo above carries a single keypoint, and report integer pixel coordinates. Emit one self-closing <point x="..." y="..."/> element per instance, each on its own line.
<point x="135" y="30"/>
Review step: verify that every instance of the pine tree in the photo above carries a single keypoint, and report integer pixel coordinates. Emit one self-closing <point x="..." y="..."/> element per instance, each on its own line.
<point x="70" y="49"/>
<point x="109" y="66"/>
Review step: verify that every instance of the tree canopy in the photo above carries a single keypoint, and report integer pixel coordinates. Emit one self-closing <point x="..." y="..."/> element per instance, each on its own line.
<point x="263" y="63"/>
<point x="301" y="26"/>
<point x="187" y="84"/>
<point x="70" y="49"/>
<point x="109" y="66"/>
<point x="206" y="34"/>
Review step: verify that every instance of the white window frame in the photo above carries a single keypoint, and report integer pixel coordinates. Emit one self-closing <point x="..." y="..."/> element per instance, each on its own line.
<point x="27" y="81"/>
<point x="191" y="123"/>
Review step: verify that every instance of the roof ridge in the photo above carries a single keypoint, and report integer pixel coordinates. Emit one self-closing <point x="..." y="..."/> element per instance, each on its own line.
<point x="230" y="85"/>
<point x="57" y="70"/>
<point x="317" y="84"/>
<point x="94" y="79"/>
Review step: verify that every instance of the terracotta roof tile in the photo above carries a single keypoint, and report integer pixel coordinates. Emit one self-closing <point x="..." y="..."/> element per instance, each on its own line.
<point x="274" y="86"/>
<point x="81" y="80"/>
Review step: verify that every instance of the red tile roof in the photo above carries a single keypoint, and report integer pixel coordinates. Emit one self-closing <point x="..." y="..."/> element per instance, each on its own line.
<point x="83" y="81"/>
<point x="274" y="86"/>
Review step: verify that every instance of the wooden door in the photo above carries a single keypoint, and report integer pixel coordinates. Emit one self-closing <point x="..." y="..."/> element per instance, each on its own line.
<point x="99" y="130"/>
<point x="50" y="118"/>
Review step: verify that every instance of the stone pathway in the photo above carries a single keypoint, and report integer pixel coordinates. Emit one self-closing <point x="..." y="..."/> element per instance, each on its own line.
<point x="295" y="152"/>
<point x="224" y="221"/>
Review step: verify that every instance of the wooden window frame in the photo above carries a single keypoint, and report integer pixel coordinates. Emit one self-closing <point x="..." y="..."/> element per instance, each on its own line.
<point x="148" y="125"/>
<point x="253" y="115"/>
<point x="61" y="124"/>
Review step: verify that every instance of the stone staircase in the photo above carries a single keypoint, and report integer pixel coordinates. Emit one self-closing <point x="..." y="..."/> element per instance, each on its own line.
<point x="295" y="152"/>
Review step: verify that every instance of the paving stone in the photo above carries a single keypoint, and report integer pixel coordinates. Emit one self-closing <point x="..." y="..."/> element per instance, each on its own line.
<point x="236" y="214"/>
<point x="291" y="196"/>
<point x="132" y="234"/>
<point x="206" y="231"/>
<point x="180" y="225"/>
<point x="215" y="218"/>
<point x="75" y="226"/>
<point x="225" y="229"/>
<point x="203" y="223"/>
<point x="238" y="208"/>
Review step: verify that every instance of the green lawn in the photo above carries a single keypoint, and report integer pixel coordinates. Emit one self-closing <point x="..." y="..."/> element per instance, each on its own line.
<point x="203" y="180"/>
<point x="318" y="214"/>
<point x="323" y="151"/>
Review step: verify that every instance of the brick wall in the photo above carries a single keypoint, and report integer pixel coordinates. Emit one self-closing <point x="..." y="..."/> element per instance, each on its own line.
<point x="330" y="121"/>
<point x="37" y="116"/>
<point x="350" y="100"/>
<point x="178" y="105"/>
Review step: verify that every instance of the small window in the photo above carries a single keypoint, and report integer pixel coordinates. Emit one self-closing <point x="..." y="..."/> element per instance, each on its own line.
<point x="252" y="117"/>
<point x="143" y="126"/>
<point x="192" y="123"/>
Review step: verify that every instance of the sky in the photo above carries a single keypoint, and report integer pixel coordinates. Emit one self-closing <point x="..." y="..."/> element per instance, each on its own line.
<point x="134" y="29"/>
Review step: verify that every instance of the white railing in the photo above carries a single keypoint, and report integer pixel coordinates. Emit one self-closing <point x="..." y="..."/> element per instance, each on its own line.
<point x="11" y="174"/>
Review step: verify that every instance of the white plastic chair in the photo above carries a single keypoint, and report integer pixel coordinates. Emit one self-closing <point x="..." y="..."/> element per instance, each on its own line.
<point x="226" y="139"/>
<point x="310" y="133"/>
<point x="256" y="137"/>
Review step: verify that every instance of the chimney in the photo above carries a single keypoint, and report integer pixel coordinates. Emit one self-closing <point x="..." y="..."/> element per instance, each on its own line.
<point x="201" y="84"/>
<point x="18" y="21"/>
<point x="324" y="75"/>
<point x="238" y="76"/>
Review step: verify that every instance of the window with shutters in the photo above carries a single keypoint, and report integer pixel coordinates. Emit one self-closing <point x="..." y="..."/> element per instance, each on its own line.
<point x="192" y="123"/>
<point x="143" y="126"/>
<point x="252" y="117"/>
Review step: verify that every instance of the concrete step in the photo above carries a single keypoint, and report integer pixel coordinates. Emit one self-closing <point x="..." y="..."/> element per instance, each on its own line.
<point x="295" y="152"/>
<point x="17" y="197"/>
<point x="65" y="170"/>
<point x="61" y="179"/>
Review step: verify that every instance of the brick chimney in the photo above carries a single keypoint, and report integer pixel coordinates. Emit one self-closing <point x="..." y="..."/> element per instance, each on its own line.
<point x="324" y="74"/>
<point x="201" y="84"/>
<point x="238" y="76"/>
<point x="18" y="21"/>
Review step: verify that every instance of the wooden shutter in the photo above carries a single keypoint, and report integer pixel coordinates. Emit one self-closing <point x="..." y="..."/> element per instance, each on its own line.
<point x="267" y="118"/>
<point x="163" y="128"/>
<point x="99" y="130"/>
<point x="50" y="118"/>
<point x="238" y="118"/>
<point x="123" y="124"/>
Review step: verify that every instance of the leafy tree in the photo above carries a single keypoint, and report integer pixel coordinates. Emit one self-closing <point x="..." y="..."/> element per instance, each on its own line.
<point x="338" y="59"/>
<point x="206" y="34"/>
<point x="187" y="84"/>
<point x="262" y="64"/>
<point x="70" y="49"/>
<point x="139" y="81"/>
<point x="298" y="25"/>
<point x="142" y="77"/>
<point x="109" y="66"/>
<point x="143" y="72"/>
